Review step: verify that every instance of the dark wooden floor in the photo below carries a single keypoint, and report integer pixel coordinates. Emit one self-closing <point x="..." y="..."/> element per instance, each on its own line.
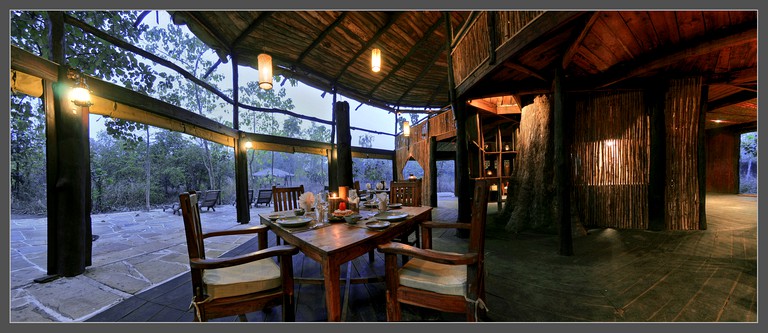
<point x="614" y="276"/>
<point x="170" y="301"/>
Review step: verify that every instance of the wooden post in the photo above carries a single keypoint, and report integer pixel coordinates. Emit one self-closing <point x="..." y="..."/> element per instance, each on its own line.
<point x="702" y="157"/>
<point x="462" y="152"/>
<point x="344" y="146"/>
<point x="69" y="195"/>
<point x="241" y="153"/>
<point x="562" y="167"/>
<point x="332" y="158"/>
<point x="432" y="171"/>
<point x="657" y="171"/>
<point x="395" y="168"/>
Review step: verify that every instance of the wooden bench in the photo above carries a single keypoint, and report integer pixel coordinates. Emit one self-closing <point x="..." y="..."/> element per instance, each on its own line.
<point x="265" y="197"/>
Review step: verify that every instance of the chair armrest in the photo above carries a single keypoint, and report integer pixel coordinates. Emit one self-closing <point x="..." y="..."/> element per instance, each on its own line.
<point x="252" y="230"/>
<point x="447" y="258"/>
<point x="281" y="250"/>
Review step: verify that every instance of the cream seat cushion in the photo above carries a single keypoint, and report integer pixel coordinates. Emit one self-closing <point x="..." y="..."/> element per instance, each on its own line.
<point x="242" y="279"/>
<point x="439" y="278"/>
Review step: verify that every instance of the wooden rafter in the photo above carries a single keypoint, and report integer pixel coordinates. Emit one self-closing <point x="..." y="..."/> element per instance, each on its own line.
<point x="520" y="68"/>
<point x="736" y="98"/>
<point x="210" y="32"/>
<point x="571" y="51"/>
<point x="421" y="76"/>
<point x="404" y="60"/>
<point x="390" y="21"/>
<point x="321" y="37"/>
<point x="707" y="44"/>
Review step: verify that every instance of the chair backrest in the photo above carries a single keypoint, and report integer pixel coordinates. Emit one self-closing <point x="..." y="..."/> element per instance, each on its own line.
<point x="250" y="196"/>
<point x="407" y="193"/>
<point x="286" y="198"/>
<point x="192" y="226"/>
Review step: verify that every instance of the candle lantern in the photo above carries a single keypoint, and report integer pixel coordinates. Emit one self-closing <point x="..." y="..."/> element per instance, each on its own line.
<point x="333" y="203"/>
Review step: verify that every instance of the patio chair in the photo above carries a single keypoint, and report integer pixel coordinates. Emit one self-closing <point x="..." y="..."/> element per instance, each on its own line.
<point x="444" y="281"/>
<point x="264" y="197"/>
<point x="229" y="286"/>
<point x="209" y="199"/>
<point x="286" y="198"/>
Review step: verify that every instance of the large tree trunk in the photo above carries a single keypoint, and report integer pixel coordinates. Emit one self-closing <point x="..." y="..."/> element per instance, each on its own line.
<point x="529" y="205"/>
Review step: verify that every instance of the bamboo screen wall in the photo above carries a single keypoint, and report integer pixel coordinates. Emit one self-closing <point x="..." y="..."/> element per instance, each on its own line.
<point x="474" y="48"/>
<point x="442" y="124"/>
<point x="681" y="113"/>
<point x="611" y="160"/>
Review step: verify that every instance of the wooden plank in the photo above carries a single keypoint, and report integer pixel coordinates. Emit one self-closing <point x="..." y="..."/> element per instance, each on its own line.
<point x="572" y="49"/>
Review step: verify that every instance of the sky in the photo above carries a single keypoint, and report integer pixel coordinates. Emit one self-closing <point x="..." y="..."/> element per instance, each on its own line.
<point x="307" y="100"/>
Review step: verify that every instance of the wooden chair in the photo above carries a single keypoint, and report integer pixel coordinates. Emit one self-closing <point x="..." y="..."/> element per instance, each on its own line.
<point x="406" y="193"/>
<point x="229" y="286"/>
<point x="264" y="197"/>
<point x="209" y="199"/>
<point x="286" y="198"/>
<point x="444" y="281"/>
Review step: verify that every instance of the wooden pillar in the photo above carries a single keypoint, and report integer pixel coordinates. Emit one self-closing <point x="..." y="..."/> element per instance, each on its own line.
<point x="241" y="153"/>
<point x="344" y="145"/>
<point x="432" y="171"/>
<point x="69" y="194"/>
<point x="332" y="156"/>
<point x="702" y="157"/>
<point x="657" y="171"/>
<point x="562" y="167"/>
<point x="395" y="161"/>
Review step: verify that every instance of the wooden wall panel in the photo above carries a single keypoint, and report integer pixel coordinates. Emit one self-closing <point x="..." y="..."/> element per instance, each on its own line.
<point x="723" y="161"/>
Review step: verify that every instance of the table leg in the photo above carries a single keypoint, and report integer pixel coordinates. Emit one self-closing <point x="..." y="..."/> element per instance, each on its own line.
<point x="332" y="275"/>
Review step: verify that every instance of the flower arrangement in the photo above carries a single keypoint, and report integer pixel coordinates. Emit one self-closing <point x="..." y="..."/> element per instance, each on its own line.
<point x="307" y="200"/>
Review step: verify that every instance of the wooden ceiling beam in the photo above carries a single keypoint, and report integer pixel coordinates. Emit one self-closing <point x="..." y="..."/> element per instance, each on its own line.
<point x="736" y="98"/>
<point x="520" y="68"/>
<point x="416" y="47"/>
<point x="321" y="37"/>
<point x="707" y="44"/>
<point x="483" y="104"/>
<point x="390" y="21"/>
<point x="200" y="22"/>
<point x="571" y="51"/>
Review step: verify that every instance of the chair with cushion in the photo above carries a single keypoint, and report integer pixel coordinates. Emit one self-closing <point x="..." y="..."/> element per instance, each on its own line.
<point x="444" y="281"/>
<point x="229" y="286"/>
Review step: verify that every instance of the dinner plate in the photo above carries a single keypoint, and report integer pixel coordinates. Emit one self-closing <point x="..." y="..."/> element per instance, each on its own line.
<point x="395" y="205"/>
<point x="377" y="224"/>
<point x="294" y="221"/>
<point x="391" y="216"/>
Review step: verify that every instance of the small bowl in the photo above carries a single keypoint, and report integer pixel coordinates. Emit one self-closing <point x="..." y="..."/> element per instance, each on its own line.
<point x="352" y="219"/>
<point x="299" y="212"/>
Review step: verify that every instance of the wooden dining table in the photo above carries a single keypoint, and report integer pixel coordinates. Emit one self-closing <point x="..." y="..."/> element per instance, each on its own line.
<point x="333" y="244"/>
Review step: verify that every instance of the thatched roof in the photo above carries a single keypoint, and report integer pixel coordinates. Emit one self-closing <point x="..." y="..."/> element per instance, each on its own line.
<point x="327" y="49"/>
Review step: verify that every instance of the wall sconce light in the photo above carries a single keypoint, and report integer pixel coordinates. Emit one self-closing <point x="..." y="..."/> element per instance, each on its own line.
<point x="265" y="71"/>
<point x="80" y="94"/>
<point x="406" y="129"/>
<point x="376" y="60"/>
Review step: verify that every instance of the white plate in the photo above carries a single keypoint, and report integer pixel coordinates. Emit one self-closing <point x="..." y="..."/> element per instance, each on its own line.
<point x="391" y="216"/>
<point x="377" y="224"/>
<point x="294" y="221"/>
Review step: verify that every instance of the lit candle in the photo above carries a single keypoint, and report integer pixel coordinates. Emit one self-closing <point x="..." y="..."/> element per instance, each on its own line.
<point x="343" y="192"/>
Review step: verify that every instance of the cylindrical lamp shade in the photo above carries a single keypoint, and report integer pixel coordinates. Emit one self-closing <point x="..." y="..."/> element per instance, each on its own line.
<point x="376" y="60"/>
<point x="265" y="71"/>
<point x="406" y="129"/>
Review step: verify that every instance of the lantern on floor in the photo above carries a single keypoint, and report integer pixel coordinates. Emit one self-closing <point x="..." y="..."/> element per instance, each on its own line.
<point x="265" y="71"/>
<point x="376" y="60"/>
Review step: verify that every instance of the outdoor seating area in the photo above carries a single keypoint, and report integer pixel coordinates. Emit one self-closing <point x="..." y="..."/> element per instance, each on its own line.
<point x="497" y="166"/>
